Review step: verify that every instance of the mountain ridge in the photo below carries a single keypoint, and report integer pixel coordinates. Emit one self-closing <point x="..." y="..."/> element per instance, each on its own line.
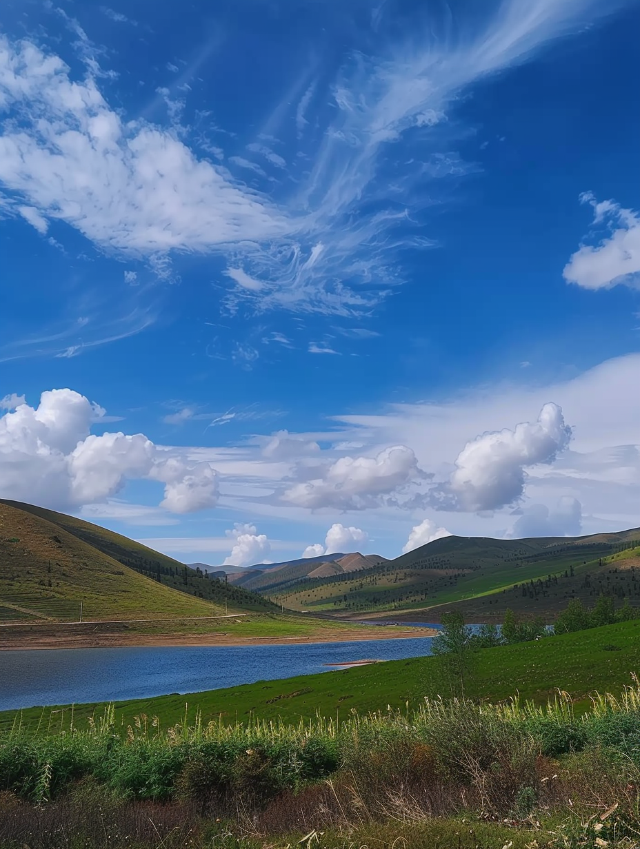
<point x="452" y="570"/>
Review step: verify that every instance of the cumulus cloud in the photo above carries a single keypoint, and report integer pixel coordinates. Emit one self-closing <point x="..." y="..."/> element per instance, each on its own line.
<point x="187" y="488"/>
<point x="490" y="470"/>
<point x="10" y="402"/>
<point x="344" y="539"/>
<point x="354" y="484"/>
<point x="426" y="531"/>
<point x="48" y="456"/>
<point x="315" y="550"/>
<point x="249" y="547"/>
<point x="338" y="539"/>
<point x="615" y="259"/>
<point x="538" y="520"/>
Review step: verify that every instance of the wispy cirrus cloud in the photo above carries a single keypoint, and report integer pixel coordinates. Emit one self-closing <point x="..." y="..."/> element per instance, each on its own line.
<point x="322" y="239"/>
<point x="95" y="321"/>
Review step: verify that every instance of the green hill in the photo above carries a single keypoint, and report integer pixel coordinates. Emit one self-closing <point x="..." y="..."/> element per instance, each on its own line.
<point x="532" y="575"/>
<point x="50" y="562"/>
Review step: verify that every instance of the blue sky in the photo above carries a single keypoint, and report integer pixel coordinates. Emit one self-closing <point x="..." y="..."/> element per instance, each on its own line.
<point x="309" y="275"/>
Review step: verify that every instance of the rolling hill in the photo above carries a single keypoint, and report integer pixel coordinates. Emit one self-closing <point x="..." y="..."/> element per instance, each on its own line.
<point x="484" y="576"/>
<point x="50" y="562"/>
<point x="281" y="576"/>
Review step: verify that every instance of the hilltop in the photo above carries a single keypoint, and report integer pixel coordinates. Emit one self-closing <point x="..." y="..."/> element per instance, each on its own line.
<point x="50" y="562"/>
<point x="481" y="576"/>
<point x="281" y="576"/>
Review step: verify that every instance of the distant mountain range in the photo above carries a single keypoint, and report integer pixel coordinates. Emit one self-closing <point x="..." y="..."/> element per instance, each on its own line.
<point x="271" y="577"/>
<point x="482" y="576"/>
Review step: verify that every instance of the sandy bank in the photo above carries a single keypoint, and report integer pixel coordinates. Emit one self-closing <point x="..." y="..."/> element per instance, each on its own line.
<point x="71" y="639"/>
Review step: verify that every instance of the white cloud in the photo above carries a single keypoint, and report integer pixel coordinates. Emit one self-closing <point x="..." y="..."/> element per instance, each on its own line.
<point x="187" y="488"/>
<point x="315" y="550"/>
<point x="354" y="484"/>
<point x="538" y="520"/>
<point x="10" y="402"/>
<point x="284" y="446"/>
<point x="244" y="280"/>
<point x="249" y="547"/>
<point x="427" y="531"/>
<point x="136" y="189"/>
<point x="48" y="456"/>
<point x="241" y="162"/>
<point x="182" y="416"/>
<point x="126" y="186"/>
<point x="321" y="349"/>
<point x="305" y="100"/>
<point x="278" y="337"/>
<point x="341" y="539"/>
<point x="269" y="155"/>
<point x="118" y="17"/>
<point x="615" y="259"/>
<point x="490" y="470"/>
<point x="34" y="218"/>
<point x="131" y="277"/>
<point x="130" y="514"/>
<point x="241" y="528"/>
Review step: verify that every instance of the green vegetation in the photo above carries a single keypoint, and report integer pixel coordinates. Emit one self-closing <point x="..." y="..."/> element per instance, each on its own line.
<point x="49" y="562"/>
<point x="454" y="646"/>
<point x="46" y="572"/>
<point x="481" y="577"/>
<point x="484" y="771"/>
<point x="600" y="659"/>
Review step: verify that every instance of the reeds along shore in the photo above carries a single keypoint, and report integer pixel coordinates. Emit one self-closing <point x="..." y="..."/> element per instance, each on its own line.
<point x="509" y="762"/>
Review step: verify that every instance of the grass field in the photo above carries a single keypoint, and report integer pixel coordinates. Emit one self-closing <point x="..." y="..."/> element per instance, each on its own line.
<point x="454" y="774"/>
<point x="580" y="663"/>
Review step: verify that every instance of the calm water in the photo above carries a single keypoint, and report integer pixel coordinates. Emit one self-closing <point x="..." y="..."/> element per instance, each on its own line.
<point x="62" y="676"/>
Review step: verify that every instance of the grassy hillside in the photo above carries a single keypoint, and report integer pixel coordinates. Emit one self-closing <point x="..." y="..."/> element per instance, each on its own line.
<point x="534" y="575"/>
<point x="281" y="576"/>
<point x="49" y="562"/>
<point x="600" y="659"/>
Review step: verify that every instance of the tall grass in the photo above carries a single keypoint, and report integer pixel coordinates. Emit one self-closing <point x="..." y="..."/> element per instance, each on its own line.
<point x="501" y="762"/>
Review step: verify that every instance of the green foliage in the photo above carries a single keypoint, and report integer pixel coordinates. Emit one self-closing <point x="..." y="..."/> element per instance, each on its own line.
<point x="406" y="770"/>
<point x="516" y="631"/>
<point x="576" y="617"/>
<point x="454" y="647"/>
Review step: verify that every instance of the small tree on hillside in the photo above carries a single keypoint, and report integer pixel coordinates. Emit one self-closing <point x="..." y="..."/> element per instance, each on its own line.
<point x="604" y="613"/>
<point x="627" y="612"/>
<point x="574" y="618"/>
<point x="454" y="647"/>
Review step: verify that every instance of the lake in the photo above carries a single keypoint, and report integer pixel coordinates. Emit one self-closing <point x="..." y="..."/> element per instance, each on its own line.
<point x="62" y="676"/>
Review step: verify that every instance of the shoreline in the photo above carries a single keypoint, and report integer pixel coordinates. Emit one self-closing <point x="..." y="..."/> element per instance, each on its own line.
<point x="204" y="640"/>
